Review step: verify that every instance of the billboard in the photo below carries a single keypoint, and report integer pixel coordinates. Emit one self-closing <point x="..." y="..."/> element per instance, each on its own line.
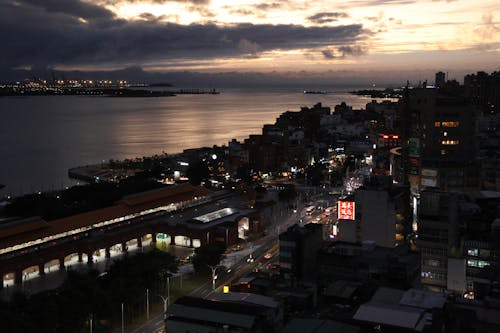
<point x="346" y="210"/>
<point x="414" y="147"/>
<point x="429" y="172"/>
<point x="429" y="182"/>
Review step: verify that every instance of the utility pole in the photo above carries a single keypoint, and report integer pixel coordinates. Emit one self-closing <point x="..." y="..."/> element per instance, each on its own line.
<point x="214" y="275"/>
<point x="147" y="304"/>
<point x="168" y="287"/>
<point x="165" y="305"/>
<point x="123" y="320"/>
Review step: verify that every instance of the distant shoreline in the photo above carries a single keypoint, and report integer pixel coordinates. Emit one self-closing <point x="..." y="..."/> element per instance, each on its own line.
<point x="379" y="93"/>
<point x="106" y="92"/>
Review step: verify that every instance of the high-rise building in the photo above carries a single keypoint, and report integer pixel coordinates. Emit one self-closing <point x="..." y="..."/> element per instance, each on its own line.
<point x="380" y="213"/>
<point x="457" y="240"/>
<point x="440" y="80"/>
<point x="443" y="130"/>
<point x="298" y="248"/>
<point x="438" y="238"/>
<point x="483" y="89"/>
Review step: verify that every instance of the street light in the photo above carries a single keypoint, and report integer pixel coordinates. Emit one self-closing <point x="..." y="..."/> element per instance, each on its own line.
<point x="162" y="275"/>
<point x="214" y="275"/>
<point x="147" y="304"/>
<point x="123" y="319"/>
<point x="165" y="305"/>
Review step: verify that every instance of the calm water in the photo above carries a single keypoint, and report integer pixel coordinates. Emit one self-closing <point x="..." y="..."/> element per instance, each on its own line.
<point x="42" y="137"/>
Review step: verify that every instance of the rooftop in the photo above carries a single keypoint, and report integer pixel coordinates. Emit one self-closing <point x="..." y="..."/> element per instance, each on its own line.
<point x="216" y="215"/>
<point x="300" y="325"/>
<point x="399" y="308"/>
<point x="245" y="298"/>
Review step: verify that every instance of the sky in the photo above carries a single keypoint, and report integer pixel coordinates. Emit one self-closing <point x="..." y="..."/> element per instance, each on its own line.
<point x="288" y="38"/>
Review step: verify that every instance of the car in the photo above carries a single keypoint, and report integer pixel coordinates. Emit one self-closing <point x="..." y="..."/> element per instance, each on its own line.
<point x="237" y="247"/>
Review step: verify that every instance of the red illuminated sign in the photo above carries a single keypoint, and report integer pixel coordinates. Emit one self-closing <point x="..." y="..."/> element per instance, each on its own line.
<point x="346" y="210"/>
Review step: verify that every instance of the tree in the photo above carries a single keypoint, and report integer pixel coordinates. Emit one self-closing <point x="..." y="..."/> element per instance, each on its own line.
<point x="207" y="255"/>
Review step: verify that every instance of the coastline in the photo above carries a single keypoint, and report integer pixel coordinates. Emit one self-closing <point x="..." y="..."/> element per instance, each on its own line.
<point x="86" y="131"/>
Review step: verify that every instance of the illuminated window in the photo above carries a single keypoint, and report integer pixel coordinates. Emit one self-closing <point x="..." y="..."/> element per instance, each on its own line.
<point x="450" y="142"/>
<point x="482" y="263"/>
<point x="445" y="133"/>
<point x="472" y="252"/>
<point x="443" y="151"/>
<point x="450" y="124"/>
<point x="477" y="263"/>
<point x="437" y="124"/>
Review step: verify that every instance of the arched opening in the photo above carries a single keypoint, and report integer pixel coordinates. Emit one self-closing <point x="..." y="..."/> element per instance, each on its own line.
<point x="146" y="239"/>
<point x="51" y="266"/>
<point x="163" y="241"/>
<point x="243" y="227"/>
<point x="182" y="241"/>
<point x="115" y="250"/>
<point x="71" y="260"/>
<point x="132" y="245"/>
<point x="8" y="279"/>
<point x="99" y="255"/>
<point x="30" y="273"/>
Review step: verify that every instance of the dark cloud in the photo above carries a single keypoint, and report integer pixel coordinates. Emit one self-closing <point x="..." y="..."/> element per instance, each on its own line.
<point x="195" y="2"/>
<point x="354" y="50"/>
<point x="35" y="36"/>
<point x="245" y="12"/>
<point x="74" y="8"/>
<point x="329" y="54"/>
<point x="268" y="6"/>
<point x="257" y="10"/>
<point x="344" y="51"/>
<point x="321" y="18"/>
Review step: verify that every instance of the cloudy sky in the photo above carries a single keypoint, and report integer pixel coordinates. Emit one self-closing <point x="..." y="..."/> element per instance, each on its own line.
<point x="251" y="36"/>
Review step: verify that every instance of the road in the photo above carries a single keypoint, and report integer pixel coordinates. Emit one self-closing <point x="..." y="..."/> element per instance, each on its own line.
<point x="237" y="262"/>
<point x="154" y="325"/>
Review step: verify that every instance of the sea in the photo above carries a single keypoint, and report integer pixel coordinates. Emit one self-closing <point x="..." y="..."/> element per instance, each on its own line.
<point x="41" y="137"/>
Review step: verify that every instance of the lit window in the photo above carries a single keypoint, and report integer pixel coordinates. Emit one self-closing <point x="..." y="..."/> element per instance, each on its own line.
<point x="472" y="252"/>
<point x="445" y="133"/>
<point x="443" y="151"/>
<point x="472" y="263"/>
<point x="450" y="142"/>
<point x="482" y="263"/>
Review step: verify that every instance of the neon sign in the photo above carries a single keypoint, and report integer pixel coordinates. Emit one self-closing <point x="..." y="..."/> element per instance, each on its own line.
<point x="346" y="210"/>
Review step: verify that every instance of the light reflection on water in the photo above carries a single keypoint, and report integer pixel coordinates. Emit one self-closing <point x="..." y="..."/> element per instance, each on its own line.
<point x="42" y="137"/>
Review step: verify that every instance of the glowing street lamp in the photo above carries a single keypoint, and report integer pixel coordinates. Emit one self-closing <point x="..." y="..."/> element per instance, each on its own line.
<point x="165" y="305"/>
<point x="214" y="274"/>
